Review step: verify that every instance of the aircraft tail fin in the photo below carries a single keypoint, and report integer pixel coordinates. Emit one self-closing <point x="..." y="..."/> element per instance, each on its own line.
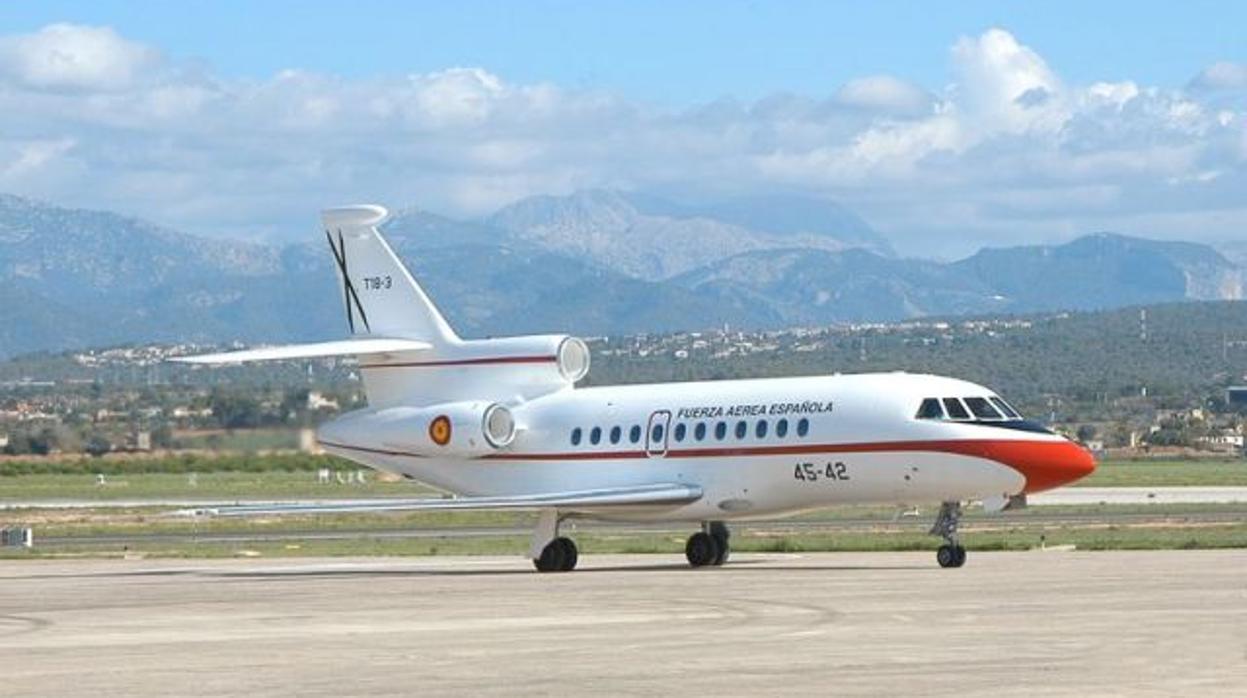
<point x="381" y="297"/>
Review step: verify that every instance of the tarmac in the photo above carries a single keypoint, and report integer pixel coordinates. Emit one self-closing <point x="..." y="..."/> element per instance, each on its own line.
<point x="845" y="624"/>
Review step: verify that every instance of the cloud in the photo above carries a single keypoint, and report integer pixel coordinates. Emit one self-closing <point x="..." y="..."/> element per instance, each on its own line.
<point x="886" y="94"/>
<point x="1006" y="151"/>
<point x="68" y="56"/>
<point x="1005" y="86"/>
<point x="1221" y="76"/>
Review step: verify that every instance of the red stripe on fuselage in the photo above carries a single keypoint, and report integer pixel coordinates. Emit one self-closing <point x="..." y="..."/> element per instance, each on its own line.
<point x="1045" y="464"/>
<point x="484" y="361"/>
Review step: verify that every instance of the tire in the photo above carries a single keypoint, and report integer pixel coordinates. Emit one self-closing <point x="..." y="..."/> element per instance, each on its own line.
<point x="722" y="538"/>
<point x="947" y="556"/>
<point x="551" y="559"/>
<point x="701" y="550"/>
<point x="961" y="555"/>
<point x="569" y="555"/>
<point x="725" y="550"/>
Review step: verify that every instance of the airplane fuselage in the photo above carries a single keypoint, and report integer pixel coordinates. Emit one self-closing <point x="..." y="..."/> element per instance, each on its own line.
<point x="756" y="448"/>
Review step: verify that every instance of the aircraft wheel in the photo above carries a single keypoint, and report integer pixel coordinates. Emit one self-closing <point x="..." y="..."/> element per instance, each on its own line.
<point x="951" y="556"/>
<point x="569" y="554"/>
<point x="722" y="539"/>
<point x="702" y="549"/>
<point x="552" y="557"/>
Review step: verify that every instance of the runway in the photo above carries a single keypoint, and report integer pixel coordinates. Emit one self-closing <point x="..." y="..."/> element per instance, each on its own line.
<point x="1111" y="623"/>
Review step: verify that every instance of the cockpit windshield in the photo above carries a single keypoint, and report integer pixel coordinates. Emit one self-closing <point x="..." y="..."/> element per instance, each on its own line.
<point x="955" y="409"/>
<point x="974" y="408"/>
<point x="982" y="408"/>
<point x="1005" y="407"/>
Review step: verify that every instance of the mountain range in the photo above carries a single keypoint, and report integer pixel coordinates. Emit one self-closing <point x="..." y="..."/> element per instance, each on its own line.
<point x="594" y="262"/>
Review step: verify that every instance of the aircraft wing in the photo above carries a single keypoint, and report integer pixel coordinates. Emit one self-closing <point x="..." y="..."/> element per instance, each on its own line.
<point x="640" y="495"/>
<point x="346" y="347"/>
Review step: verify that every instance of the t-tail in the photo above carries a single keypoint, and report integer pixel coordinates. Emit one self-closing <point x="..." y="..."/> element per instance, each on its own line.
<point x="380" y="295"/>
<point x="408" y="354"/>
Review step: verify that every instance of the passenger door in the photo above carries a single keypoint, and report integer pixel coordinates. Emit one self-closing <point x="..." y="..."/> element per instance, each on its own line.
<point x="656" y="434"/>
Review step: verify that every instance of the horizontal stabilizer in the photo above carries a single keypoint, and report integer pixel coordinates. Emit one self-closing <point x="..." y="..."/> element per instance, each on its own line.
<point x="347" y="347"/>
<point x="640" y="495"/>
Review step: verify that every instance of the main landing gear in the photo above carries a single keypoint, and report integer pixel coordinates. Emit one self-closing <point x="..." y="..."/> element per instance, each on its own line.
<point x="549" y="551"/>
<point x="559" y="555"/>
<point x="709" y="546"/>
<point x="951" y="554"/>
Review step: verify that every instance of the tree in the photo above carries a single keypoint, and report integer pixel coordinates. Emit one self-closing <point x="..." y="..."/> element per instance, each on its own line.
<point x="234" y="411"/>
<point x="97" y="445"/>
<point x="19" y="444"/>
<point x="162" y="436"/>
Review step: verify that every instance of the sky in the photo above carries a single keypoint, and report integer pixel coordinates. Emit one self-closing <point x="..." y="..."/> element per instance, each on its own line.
<point x="946" y="127"/>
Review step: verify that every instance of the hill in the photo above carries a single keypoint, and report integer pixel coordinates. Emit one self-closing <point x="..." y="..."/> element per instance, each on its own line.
<point x="593" y="263"/>
<point x="649" y="238"/>
<point x="1104" y="271"/>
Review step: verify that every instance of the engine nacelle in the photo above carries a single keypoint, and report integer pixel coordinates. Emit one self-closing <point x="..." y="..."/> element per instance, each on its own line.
<point x="507" y="370"/>
<point x="468" y="429"/>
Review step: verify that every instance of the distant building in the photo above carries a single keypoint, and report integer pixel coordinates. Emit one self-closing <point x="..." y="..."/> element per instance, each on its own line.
<point x="187" y="412"/>
<point x="316" y="401"/>
<point x="1236" y="395"/>
<point x="1227" y="441"/>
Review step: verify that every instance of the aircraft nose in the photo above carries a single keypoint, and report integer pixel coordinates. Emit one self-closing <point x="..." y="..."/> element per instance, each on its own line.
<point x="1047" y="464"/>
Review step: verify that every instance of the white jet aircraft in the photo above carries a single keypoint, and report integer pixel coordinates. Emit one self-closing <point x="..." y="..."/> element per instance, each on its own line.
<point x="499" y="424"/>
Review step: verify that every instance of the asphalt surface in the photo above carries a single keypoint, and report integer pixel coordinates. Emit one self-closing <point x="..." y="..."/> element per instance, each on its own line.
<point x="1041" y="623"/>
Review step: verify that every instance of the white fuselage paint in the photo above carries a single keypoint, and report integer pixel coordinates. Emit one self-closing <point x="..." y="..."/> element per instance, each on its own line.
<point x="888" y="455"/>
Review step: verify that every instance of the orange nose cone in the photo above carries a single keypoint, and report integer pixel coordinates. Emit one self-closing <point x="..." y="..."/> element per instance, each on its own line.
<point x="1046" y="464"/>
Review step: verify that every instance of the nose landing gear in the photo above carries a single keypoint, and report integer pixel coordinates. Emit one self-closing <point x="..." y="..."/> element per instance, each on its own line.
<point x="952" y="553"/>
<point x="709" y="546"/>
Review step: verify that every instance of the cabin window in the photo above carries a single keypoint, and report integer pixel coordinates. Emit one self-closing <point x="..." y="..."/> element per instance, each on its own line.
<point x="699" y="431"/>
<point x="720" y="430"/>
<point x="781" y="428"/>
<point x="760" y="430"/>
<point x="634" y="434"/>
<point x="595" y="436"/>
<point x="680" y="429"/>
<point x="803" y="427"/>
<point x="576" y="434"/>
<point x="741" y="429"/>
<point x="616" y="434"/>
<point x="982" y="408"/>
<point x="955" y="409"/>
<point x="930" y="409"/>
<point x="655" y="435"/>
<point x="1006" y="408"/>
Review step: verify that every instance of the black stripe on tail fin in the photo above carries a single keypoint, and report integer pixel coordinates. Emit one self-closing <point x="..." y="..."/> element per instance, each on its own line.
<point x="349" y="295"/>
